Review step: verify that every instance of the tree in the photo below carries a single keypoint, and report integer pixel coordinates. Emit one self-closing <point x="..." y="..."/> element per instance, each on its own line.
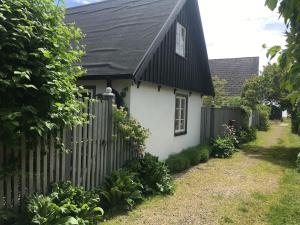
<point x="289" y="57"/>
<point x="38" y="69"/>
<point x="220" y="93"/>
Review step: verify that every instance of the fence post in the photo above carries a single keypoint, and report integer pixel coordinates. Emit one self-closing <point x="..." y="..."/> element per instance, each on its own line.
<point x="108" y="95"/>
<point x="212" y="121"/>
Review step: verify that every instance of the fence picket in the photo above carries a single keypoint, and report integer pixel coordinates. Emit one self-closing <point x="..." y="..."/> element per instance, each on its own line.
<point x="45" y="164"/>
<point x="1" y="180"/>
<point x="16" y="179"/>
<point x="94" y="154"/>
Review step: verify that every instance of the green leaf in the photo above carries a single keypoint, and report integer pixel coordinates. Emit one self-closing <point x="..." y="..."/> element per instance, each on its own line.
<point x="30" y="86"/>
<point x="272" y="52"/>
<point x="69" y="220"/>
<point x="271" y="4"/>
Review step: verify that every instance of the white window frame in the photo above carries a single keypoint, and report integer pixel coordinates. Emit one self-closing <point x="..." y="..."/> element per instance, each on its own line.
<point x="180" y="125"/>
<point x="180" y="39"/>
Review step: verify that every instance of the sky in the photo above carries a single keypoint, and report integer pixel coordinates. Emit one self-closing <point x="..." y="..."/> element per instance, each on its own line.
<point x="234" y="28"/>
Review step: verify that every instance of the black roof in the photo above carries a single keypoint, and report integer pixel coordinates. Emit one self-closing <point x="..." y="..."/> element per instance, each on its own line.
<point x="119" y="32"/>
<point x="235" y="71"/>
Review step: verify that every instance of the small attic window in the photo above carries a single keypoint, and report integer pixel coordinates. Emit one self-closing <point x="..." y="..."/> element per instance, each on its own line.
<point x="180" y="39"/>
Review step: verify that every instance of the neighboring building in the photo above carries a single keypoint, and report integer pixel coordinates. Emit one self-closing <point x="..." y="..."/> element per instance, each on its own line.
<point x="155" y="50"/>
<point x="235" y="71"/>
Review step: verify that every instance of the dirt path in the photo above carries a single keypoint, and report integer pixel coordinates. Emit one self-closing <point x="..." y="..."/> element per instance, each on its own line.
<point x="211" y="193"/>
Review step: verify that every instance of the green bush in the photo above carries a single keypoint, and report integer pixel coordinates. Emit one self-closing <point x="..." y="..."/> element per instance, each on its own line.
<point x="264" y="114"/>
<point x="39" y="69"/>
<point x="120" y="191"/>
<point x="178" y="163"/>
<point x="187" y="158"/>
<point x="246" y="134"/>
<point x="66" y="204"/>
<point x="222" y="147"/>
<point x="230" y="133"/>
<point x="153" y="174"/>
<point x="298" y="162"/>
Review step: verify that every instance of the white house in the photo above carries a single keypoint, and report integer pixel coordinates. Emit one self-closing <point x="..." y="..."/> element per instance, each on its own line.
<point x="153" y="54"/>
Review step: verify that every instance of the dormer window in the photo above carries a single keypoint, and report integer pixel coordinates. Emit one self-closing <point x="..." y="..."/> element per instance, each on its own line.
<point x="180" y="39"/>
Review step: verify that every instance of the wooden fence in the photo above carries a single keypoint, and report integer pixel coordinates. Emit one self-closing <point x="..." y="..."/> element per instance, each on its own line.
<point x="213" y="120"/>
<point x="97" y="148"/>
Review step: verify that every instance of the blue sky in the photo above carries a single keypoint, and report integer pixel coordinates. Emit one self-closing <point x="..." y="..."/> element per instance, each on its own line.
<point x="234" y="28"/>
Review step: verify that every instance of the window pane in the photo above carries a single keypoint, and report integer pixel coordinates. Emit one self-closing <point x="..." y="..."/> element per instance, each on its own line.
<point x="176" y="125"/>
<point x="182" y="116"/>
<point x="182" y="125"/>
<point x="177" y="102"/>
<point x="183" y="103"/>
<point x="177" y="112"/>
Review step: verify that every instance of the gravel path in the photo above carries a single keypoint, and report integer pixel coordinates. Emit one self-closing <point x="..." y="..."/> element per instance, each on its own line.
<point x="203" y="191"/>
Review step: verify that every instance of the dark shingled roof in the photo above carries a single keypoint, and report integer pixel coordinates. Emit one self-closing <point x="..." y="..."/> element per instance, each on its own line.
<point x="119" y="32"/>
<point x="235" y="71"/>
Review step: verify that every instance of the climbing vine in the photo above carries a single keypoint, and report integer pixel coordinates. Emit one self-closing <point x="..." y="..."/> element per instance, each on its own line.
<point x="130" y="129"/>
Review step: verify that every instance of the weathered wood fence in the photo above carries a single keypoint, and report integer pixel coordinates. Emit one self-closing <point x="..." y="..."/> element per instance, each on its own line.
<point x="97" y="148"/>
<point x="213" y="120"/>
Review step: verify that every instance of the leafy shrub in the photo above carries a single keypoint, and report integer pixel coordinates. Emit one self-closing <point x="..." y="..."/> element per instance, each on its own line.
<point x="222" y="147"/>
<point x="153" y="174"/>
<point x="9" y="217"/>
<point x="187" y="158"/>
<point x="38" y="69"/>
<point x="120" y="191"/>
<point x="246" y="134"/>
<point x="131" y="129"/>
<point x="298" y="162"/>
<point x="178" y="163"/>
<point x="264" y="112"/>
<point x="230" y="133"/>
<point x="66" y="204"/>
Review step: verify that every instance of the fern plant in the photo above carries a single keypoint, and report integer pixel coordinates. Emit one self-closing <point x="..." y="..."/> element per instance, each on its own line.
<point x="120" y="191"/>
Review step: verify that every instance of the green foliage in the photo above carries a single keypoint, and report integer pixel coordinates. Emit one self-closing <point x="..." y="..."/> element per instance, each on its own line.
<point x="230" y="133"/>
<point x="65" y="205"/>
<point x="187" y="158"/>
<point x="153" y="174"/>
<point x="220" y="93"/>
<point x="264" y="113"/>
<point x="289" y="56"/>
<point x="178" y="162"/>
<point x="38" y="69"/>
<point x="298" y="162"/>
<point x="234" y="101"/>
<point x="252" y="93"/>
<point x="131" y="129"/>
<point x="9" y="217"/>
<point x="222" y="147"/>
<point x="246" y="134"/>
<point x="120" y="191"/>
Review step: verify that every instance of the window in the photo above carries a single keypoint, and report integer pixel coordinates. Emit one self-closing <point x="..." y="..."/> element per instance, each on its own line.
<point x="180" y="39"/>
<point x="180" y="114"/>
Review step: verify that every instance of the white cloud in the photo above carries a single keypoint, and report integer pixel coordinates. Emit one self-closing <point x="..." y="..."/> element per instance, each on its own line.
<point x="235" y="28"/>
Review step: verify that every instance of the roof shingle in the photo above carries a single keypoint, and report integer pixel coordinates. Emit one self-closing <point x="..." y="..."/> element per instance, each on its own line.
<point x="235" y="71"/>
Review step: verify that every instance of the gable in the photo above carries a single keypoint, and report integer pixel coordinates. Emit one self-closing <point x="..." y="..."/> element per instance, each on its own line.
<point x="165" y="67"/>
<point x="118" y="32"/>
<point x="235" y="71"/>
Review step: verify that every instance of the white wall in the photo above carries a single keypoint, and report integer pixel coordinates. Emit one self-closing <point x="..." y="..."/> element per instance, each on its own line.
<point x="156" y="111"/>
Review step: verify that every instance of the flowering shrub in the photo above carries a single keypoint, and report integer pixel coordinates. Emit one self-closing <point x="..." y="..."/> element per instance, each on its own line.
<point x="132" y="131"/>
<point x="230" y="133"/>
